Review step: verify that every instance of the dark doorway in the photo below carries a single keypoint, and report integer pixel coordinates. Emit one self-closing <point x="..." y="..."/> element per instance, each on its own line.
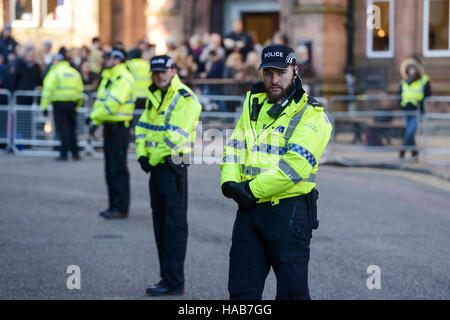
<point x="261" y="25"/>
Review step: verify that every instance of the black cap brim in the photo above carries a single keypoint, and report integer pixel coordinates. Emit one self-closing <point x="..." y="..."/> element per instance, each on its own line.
<point x="159" y="69"/>
<point x="275" y="65"/>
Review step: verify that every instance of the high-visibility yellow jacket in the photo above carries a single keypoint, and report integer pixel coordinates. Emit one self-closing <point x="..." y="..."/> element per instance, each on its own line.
<point x="167" y="125"/>
<point x="280" y="155"/>
<point x="140" y="70"/>
<point x="62" y="83"/>
<point x="414" y="93"/>
<point x="115" y="97"/>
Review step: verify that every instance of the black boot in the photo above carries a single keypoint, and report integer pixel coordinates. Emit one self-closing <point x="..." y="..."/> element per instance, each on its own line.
<point x="163" y="289"/>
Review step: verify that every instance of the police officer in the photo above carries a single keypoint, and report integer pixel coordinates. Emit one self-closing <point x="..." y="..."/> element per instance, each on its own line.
<point x="63" y="87"/>
<point x="164" y="139"/>
<point x="414" y="89"/>
<point x="269" y="170"/>
<point x="114" y="109"/>
<point x="140" y="70"/>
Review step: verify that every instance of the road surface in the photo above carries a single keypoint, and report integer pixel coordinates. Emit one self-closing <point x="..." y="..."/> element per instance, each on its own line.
<point x="49" y="220"/>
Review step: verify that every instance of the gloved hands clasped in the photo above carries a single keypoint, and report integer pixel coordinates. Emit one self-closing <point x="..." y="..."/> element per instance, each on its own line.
<point x="145" y="164"/>
<point x="239" y="192"/>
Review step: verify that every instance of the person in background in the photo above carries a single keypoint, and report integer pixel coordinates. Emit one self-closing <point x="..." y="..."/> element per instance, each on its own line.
<point x="27" y="75"/>
<point x="251" y="72"/>
<point x="214" y="45"/>
<point x="414" y="89"/>
<point x="90" y="78"/>
<point x="3" y="79"/>
<point x="165" y="136"/>
<point x="7" y="42"/>
<point x="279" y="38"/>
<point x="140" y="70"/>
<point x="45" y="55"/>
<point x="195" y="50"/>
<point x="241" y="37"/>
<point x="234" y="63"/>
<point x="63" y="87"/>
<point x="114" y="110"/>
<point x="96" y="56"/>
<point x="8" y="76"/>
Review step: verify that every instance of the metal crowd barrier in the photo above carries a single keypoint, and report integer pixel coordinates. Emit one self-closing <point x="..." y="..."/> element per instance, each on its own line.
<point x="5" y="119"/>
<point x="436" y="131"/>
<point x="33" y="134"/>
<point x="369" y="128"/>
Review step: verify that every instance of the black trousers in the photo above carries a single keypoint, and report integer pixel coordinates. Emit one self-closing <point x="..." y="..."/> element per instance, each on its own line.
<point x="168" y="194"/>
<point x="271" y="236"/>
<point x="117" y="138"/>
<point x="66" y="125"/>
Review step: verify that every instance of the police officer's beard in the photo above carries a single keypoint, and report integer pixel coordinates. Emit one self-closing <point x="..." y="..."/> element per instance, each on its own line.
<point x="279" y="98"/>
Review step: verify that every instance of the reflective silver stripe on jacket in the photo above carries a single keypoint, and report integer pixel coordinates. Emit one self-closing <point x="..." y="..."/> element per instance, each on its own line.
<point x="170" y="144"/>
<point x="140" y="136"/>
<point x="149" y="144"/>
<point x="290" y="172"/>
<point x="231" y="159"/>
<point x="293" y="124"/>
<point x="107" y="109"/>
<point x="113" y="98"/>
<point x="252" y="171"/>
<point x="171" y="108"/>
<point x="124" y="114"/>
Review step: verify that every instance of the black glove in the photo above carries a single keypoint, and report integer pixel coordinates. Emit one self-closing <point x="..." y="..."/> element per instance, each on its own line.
<point x="240" y="192"/>
<point x="145" y="164"/>
<point x="227" y="189"/>
<point x="45" y="113"/>
<point x="88" y="121"/>
<point x="92" y="129"/>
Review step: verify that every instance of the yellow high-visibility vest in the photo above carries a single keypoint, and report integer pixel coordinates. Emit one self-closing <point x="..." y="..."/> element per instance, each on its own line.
<point x="280" y="155"/>
<point x="115" y="97"/>
<point x="140" y="70"/>
<point x="167" y="125"/>
<point x="62" y="83"/>
<point x="415" y="92"/>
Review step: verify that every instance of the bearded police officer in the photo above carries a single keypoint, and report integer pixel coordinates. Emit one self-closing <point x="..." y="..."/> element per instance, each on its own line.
<point x="164" y="137"/>
<point x="114" y="110"/>
<point x="269" y="170"/>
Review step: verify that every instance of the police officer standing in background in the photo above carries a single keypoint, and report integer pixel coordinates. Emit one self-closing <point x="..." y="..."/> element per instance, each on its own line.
<point x="164" y="137"/>
<point x="63" y="87"/>
<point x="114" y="109"/>
<point x="140" y="70"/>
<point x="269" y="170"/>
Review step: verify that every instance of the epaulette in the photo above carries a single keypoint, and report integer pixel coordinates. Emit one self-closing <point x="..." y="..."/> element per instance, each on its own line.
<point x="185" y="93"/>
<point x="316" y="104"/>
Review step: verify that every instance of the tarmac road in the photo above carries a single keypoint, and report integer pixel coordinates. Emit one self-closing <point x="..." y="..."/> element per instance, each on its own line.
<point x="49" y="221"/>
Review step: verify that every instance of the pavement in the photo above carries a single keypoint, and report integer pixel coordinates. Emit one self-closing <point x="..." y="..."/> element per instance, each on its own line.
<point x="396" y="220"/>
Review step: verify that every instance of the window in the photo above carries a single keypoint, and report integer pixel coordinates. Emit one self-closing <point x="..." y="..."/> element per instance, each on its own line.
<point x="25" y="13"/>
<point x="52" y="13"/>
<point x="436" y="35"/>
<point x="380" y="28"/>
<point x="56" y="13"/>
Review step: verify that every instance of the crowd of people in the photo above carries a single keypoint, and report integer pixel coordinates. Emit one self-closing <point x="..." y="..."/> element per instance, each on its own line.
<point x="203" y="56"/>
